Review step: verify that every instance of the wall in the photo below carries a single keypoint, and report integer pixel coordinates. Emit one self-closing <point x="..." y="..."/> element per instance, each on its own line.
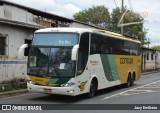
<point x="13" y="13"/>
<point x="158" y="59"/>
<point x="15" y="37"/>
<point x="148" y="63"/>
<point x="16" y="14"/>
<point x="10" y="67"/>
<point x="1" y="11"/>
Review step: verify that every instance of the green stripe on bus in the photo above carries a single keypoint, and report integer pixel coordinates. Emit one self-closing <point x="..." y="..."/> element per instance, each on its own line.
<point x="110" y="68"/>
<point x="59" y="80"/>
<point x="53" y="81"/>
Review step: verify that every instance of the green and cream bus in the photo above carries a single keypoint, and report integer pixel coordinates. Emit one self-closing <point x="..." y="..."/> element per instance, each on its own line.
<point x="74" y="61"/>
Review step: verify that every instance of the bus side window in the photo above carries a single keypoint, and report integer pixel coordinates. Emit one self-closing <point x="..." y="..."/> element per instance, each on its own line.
<point x="93" y="48"/>
<point x="104" y="47"/>
<point x="95" y="44"/>
<point x="83" y="53"/>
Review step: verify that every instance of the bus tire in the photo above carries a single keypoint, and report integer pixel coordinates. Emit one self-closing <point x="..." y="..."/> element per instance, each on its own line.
<point x="93" y="88"/>
<point x="132" y="79"/>
<point x="129" y="80"/>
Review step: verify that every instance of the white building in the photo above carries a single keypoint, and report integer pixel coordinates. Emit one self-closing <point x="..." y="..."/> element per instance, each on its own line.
<point x="158" y="59"/>
<point x="150" y="59"/>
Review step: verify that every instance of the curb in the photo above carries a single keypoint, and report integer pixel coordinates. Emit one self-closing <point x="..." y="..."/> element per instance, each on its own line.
<point x="12" y="93"/>
<point x="146" y="73"/>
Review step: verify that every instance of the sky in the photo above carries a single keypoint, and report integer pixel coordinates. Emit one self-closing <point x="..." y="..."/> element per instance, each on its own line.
<point x="66" y="8"/>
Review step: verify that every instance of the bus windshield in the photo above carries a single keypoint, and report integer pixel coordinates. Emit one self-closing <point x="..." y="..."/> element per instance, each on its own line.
<point x="55" y="39"/>
<point x="49" y="57"/>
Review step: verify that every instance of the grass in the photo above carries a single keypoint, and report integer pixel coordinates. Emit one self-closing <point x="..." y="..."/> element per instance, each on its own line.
<point x="11" y="87"/>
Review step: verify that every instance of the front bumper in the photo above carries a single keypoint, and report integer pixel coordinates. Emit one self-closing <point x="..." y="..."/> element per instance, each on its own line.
<point x="51" y="90"/>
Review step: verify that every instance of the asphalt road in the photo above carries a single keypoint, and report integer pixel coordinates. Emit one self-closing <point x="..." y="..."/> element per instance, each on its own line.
<point x="145" y="91"/>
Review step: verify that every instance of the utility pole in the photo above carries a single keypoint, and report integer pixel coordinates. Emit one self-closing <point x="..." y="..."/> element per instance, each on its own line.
<point x="121" y="22"/>
<point x="122" y="11"/>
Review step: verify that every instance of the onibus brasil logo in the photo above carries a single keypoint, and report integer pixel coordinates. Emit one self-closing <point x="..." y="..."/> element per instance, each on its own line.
<point x="21" y="107"/>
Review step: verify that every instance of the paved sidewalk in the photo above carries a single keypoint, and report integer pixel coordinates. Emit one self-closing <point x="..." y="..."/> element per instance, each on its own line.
<point x="145" y="73"/>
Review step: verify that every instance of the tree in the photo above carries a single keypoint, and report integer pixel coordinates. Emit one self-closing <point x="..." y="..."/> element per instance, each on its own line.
<point x="156" y="47"/>
<point x="136" y="30"/>
<point x="97" y="15"/>
<point x="115" y="16"/>
<point x="100" y="16"/>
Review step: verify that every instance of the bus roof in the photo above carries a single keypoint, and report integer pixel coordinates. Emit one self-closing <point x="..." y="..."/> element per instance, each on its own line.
<point x="65" y="29"/>
<point x="82" y="30"/>
<point x="118" y="36"/>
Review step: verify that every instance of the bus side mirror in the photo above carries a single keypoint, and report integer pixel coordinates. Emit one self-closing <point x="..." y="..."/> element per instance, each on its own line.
<point x="21" y="51"/>
<point x="74" y="52"/>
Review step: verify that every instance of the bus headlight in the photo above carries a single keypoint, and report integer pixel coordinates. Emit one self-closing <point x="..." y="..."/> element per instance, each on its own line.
<point x="30" y="82"/>
<point x="67" y="85"/>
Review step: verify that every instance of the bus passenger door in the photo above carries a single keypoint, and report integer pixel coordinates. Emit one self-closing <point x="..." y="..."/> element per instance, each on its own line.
<point x="82" y="68"/>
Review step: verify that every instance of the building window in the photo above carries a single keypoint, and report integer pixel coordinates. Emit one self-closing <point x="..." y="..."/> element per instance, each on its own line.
<point x="2" y="45"/>
<point x="152" y="56"/>
<point x="147" y="56"/>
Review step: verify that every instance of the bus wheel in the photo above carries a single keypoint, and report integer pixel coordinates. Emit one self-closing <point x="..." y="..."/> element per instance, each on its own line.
<point x="93" y="88"/>
<point x="128" y="81"/>
<point x="132" y="79"/>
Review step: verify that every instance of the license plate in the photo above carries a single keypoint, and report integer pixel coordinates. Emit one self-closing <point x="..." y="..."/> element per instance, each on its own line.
<point x="47" y="90"/>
